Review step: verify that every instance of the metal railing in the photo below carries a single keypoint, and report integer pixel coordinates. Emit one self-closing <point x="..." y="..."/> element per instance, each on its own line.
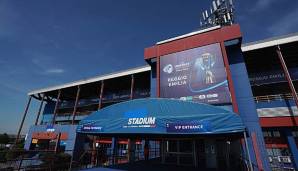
<point x="51" y="160"/>
<point x="281" y="163"/>
<point x="109" y="157"/>
<point x="19" y="159"/>
<point x="268" y="98"/>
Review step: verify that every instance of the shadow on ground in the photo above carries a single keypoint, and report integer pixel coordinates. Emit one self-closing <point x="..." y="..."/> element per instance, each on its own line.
<point x="151" y="165"/>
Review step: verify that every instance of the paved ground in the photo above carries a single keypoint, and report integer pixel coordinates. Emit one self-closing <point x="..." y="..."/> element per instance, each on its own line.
<point x="147" y="166"/>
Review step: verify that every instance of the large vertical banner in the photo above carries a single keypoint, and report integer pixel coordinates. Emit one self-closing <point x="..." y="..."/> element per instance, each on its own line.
<point x="196" y="74"/>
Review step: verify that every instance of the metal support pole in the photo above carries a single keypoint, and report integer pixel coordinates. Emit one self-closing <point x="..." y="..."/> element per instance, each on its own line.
<point x="93" y="153"/>
<point x="132" y="86"/>
<point x="178" y="150"/>
<point x="56" y="106"/>
<point x="287" y="75"/>
<point x="39" y="110"/>
<point x="22" y="123"/>
<point x="115" y="150"/>
<point x="57" y="142"/>
<point x="247" y="151"/>
<point x="194" y="150"/>
<point x="75" y="105"/>
<point x="163" y="150"/>
<point x="101" y="94"/>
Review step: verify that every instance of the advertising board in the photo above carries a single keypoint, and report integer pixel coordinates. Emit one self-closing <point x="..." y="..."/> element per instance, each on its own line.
<point x="196" y="74"/>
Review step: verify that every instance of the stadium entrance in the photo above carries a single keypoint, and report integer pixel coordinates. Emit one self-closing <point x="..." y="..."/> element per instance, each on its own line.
<point x="164" y="132"/>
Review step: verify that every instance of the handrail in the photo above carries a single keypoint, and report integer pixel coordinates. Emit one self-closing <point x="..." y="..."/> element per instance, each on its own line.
<point x="268" y="98"/>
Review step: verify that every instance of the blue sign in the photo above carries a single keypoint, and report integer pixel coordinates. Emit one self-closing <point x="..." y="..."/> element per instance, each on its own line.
<point x="196" y="75"/>
<point x="188" y="127"/>
<point x="139" y="118"/>
<point x="50" y="128"/>
<point x="137" y="113"/>
<point x="92" y="128"/>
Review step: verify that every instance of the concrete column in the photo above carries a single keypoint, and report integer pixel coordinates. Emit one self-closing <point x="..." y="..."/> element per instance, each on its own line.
<point x="292" y="146"/>
<point x="146" y="150"/>
<point x="178" y="151"/>
<point x="114" y="148"/>
<point x="162" y="151"/>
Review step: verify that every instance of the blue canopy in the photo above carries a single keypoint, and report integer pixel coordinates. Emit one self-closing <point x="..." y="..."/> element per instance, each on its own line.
<point x="161" y="116"/>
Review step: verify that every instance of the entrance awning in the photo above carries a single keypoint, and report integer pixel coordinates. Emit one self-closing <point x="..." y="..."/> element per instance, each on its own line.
<point x="161" y="116"/>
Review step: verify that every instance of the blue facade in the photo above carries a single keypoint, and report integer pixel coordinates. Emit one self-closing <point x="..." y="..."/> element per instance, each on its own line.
<point x="245" y="102"/>
<point x="48" y="111"/>
<point x="69" y="129"/>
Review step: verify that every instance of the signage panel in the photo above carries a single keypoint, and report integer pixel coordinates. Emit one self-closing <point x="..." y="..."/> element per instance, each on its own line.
<point x="196" y="74"/>
<point x="188" y="127"/>
<point x="270" y="77"/>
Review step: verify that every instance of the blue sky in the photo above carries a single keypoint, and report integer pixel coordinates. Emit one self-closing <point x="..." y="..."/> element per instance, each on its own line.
<point x="50" y="42"/>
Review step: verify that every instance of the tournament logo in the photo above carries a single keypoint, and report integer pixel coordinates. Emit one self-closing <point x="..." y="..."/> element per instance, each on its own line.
<point x="168" y="69"/>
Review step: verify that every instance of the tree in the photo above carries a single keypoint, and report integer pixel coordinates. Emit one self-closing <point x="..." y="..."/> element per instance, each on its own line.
<point x="4" y="138"/>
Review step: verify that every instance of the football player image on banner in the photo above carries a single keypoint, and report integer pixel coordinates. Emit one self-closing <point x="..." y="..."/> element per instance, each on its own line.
<point x="196" y="74"/>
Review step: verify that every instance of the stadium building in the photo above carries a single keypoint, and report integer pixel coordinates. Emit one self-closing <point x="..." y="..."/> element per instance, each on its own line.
<point x="204" y="100"/>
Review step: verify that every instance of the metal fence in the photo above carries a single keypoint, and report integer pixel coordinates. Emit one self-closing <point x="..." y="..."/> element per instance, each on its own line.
<point x="268" y="98"/>
<point x="19" y="159"/>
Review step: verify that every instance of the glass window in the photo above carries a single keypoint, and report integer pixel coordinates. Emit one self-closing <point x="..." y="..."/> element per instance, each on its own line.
<point x="185" y="146"/>
<point x="266" y="133"/>
<point x="276" y="152"/>
<point x="295" y="134"/>
<point x="276" y="134"/>
<point x="172" y="146"/>
<point x="269" y="152"/>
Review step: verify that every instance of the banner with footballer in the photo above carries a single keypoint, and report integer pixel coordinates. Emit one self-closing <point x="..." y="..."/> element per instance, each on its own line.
<point x="196" y="74"/>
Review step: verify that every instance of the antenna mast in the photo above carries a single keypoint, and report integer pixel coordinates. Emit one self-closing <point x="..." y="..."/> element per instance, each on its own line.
<point x="221" y="13"/>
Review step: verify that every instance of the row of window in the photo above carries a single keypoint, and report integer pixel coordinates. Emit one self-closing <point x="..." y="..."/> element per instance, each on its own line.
<point x="271" y="133"/>
<point x="275" y="133"/>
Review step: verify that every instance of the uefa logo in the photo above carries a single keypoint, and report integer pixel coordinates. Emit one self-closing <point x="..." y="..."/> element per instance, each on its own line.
<point x="168" y="68"/>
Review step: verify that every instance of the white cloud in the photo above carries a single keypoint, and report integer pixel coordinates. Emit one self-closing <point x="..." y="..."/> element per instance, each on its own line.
<point x="262" y="5"/>
<point x="54" y="71"/>
<point x="46" y="65"/>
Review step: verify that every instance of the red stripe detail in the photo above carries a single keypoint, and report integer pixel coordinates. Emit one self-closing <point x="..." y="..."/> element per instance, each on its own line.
<point x="158" y="76"/>
<point x="105" y="141"/>
<point x="257" y="151"/>
<point x="219" y="35"/>
<point x="229" y="76"/>
<point x="278" y="121"/>
<point x="276" y="146"/>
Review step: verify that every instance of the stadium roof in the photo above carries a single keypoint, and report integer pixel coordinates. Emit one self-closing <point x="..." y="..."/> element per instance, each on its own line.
<point x="270" y="42"/>
<point x="93" y="79"/>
